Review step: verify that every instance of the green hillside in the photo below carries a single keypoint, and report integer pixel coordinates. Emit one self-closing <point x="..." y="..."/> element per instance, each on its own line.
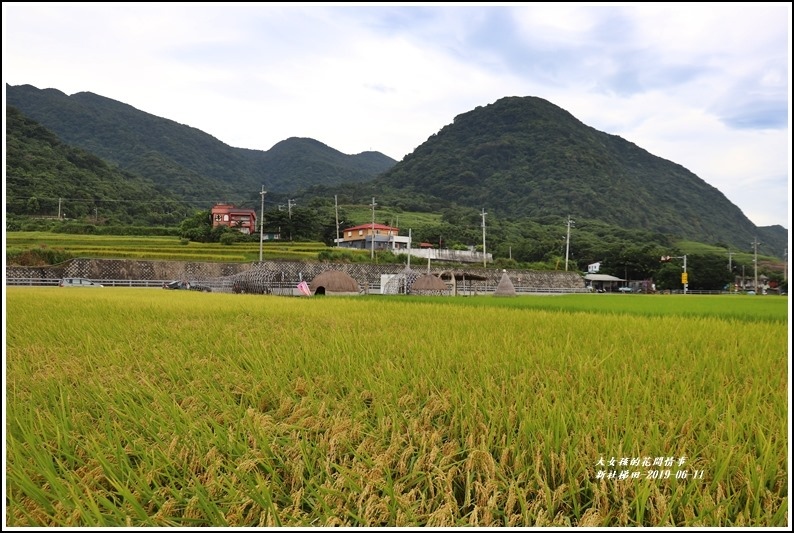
<point x="45" y="177"/>
<point x="523" y="157"/>
<point x="521" y="166"/>
<point x="195" y="165"/>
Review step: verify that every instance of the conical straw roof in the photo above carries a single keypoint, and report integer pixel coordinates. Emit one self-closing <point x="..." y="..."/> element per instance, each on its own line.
<point x="505" y="287"/>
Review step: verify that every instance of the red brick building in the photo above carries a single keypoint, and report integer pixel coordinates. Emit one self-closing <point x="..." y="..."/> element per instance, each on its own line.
<point x="239" y="218"/>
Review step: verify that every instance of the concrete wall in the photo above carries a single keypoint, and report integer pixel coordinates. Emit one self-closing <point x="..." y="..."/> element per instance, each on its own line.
<point x="367" y="275"/>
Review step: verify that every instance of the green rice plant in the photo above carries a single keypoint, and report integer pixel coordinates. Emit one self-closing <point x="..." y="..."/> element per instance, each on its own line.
<point x="155" y="247"/>
<point x="151" y="408"/>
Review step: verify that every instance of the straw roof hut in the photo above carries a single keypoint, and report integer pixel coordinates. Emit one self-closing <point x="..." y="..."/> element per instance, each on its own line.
<point x="505" y="287"/>
<point x="429" y="284"/>
<point x="334" y="282"/>
<point x="463" y="281"/>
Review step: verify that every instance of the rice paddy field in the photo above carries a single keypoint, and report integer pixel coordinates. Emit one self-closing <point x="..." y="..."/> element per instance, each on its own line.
<point x="143" y="407"/>
<point x="158" y="248"/>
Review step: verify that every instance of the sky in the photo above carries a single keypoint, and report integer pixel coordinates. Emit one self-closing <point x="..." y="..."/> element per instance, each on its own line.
<point x="706" y="86"/>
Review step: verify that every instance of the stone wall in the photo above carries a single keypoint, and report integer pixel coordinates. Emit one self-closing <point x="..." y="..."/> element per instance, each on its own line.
<point x="280" y="271"/>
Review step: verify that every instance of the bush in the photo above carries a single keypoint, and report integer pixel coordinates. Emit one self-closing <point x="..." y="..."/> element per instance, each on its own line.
<point x="228" y="239"/>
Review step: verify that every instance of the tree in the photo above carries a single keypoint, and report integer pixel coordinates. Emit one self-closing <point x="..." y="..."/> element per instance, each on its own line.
<point x="197" y="228"/>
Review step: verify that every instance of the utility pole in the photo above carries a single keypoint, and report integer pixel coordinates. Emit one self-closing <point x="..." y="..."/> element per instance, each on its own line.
<point x="372" y="205"/>
<point x="59" y="208"/>
<point x="336" y="210"/>
<point x="290" y="203"/>
<point x="484" y="257"/>
<point x="730" y="269"/>
<point x="262" y="223"/>
<point x="409" y="248"/>
<point x="684" y="275"/>
<point x="755" y="244"/>
<point x="568" y="242"/>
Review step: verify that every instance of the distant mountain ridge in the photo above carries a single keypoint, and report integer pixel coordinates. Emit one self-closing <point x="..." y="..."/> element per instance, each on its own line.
<point x="519" y="157"/>
<point x="183" y="158"/>
<point x="526" y="157"/>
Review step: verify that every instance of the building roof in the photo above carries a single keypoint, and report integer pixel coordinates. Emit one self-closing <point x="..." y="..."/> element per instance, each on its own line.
<point x="232" y="209"/>
<point x="370" y="226"/>
<point x="602" y="277"/>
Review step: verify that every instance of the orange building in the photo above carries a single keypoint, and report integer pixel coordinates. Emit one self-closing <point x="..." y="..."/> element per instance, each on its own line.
<point x="386" y="237"/>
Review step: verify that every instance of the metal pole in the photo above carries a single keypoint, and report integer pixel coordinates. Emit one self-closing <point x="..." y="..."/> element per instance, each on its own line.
<point x="484" y="257"/>
<point x="755" y="244"/>
<point x="336" y="209"/>
<point x="409" y="248"/>
<point x="372" y="253"/>
<point x="567" y="242"/>
<point x="262" y="224"/>
<point x="686" y="285"/>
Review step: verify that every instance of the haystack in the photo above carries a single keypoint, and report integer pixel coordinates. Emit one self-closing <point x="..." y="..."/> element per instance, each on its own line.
<point x="334" y="282"/>
<point x="505" y="287"/>
<point x="429" y="284"/>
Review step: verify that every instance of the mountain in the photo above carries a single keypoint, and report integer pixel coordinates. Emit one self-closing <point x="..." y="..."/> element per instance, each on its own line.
<point x="519" y="158"/>
<point x="193" y="164"/>
<point x="45" y="177"/>
<point x="524" y="157"/>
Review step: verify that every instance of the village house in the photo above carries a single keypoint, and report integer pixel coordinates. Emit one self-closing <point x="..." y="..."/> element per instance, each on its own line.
<point x="241" y="219"/>
<point x="362" y="237"/>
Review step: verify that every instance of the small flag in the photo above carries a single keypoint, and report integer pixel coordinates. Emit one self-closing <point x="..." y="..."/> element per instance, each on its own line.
<point x="304" y="288"/>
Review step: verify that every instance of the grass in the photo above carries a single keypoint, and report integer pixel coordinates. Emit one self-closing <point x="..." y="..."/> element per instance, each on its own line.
<point x="152" y="408"/>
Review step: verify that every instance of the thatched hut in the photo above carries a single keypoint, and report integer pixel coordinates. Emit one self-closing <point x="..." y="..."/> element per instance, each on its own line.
<point x="462" y="281"/>
<point x="505" y="286"/>
<point x="429" y="285"/>
<point x="334" y="282"/>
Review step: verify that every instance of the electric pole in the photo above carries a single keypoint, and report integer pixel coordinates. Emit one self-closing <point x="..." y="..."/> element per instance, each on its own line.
<point x="484" y="257"/>
<point x="568" y="242"/>
<point x="755" y="244"/>
<point x="409" y="248"/>
<point x="372" y="205"/>
<point x="262" y="224"/>
<point x="336" y="210"/>
<point x="685" y="276"/>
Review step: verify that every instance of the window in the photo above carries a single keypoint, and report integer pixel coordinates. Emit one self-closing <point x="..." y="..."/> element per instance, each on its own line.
<point x="361" y="232"/>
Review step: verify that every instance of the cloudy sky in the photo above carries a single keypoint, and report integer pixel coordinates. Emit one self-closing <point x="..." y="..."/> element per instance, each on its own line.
<point x="706" y="86"/>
